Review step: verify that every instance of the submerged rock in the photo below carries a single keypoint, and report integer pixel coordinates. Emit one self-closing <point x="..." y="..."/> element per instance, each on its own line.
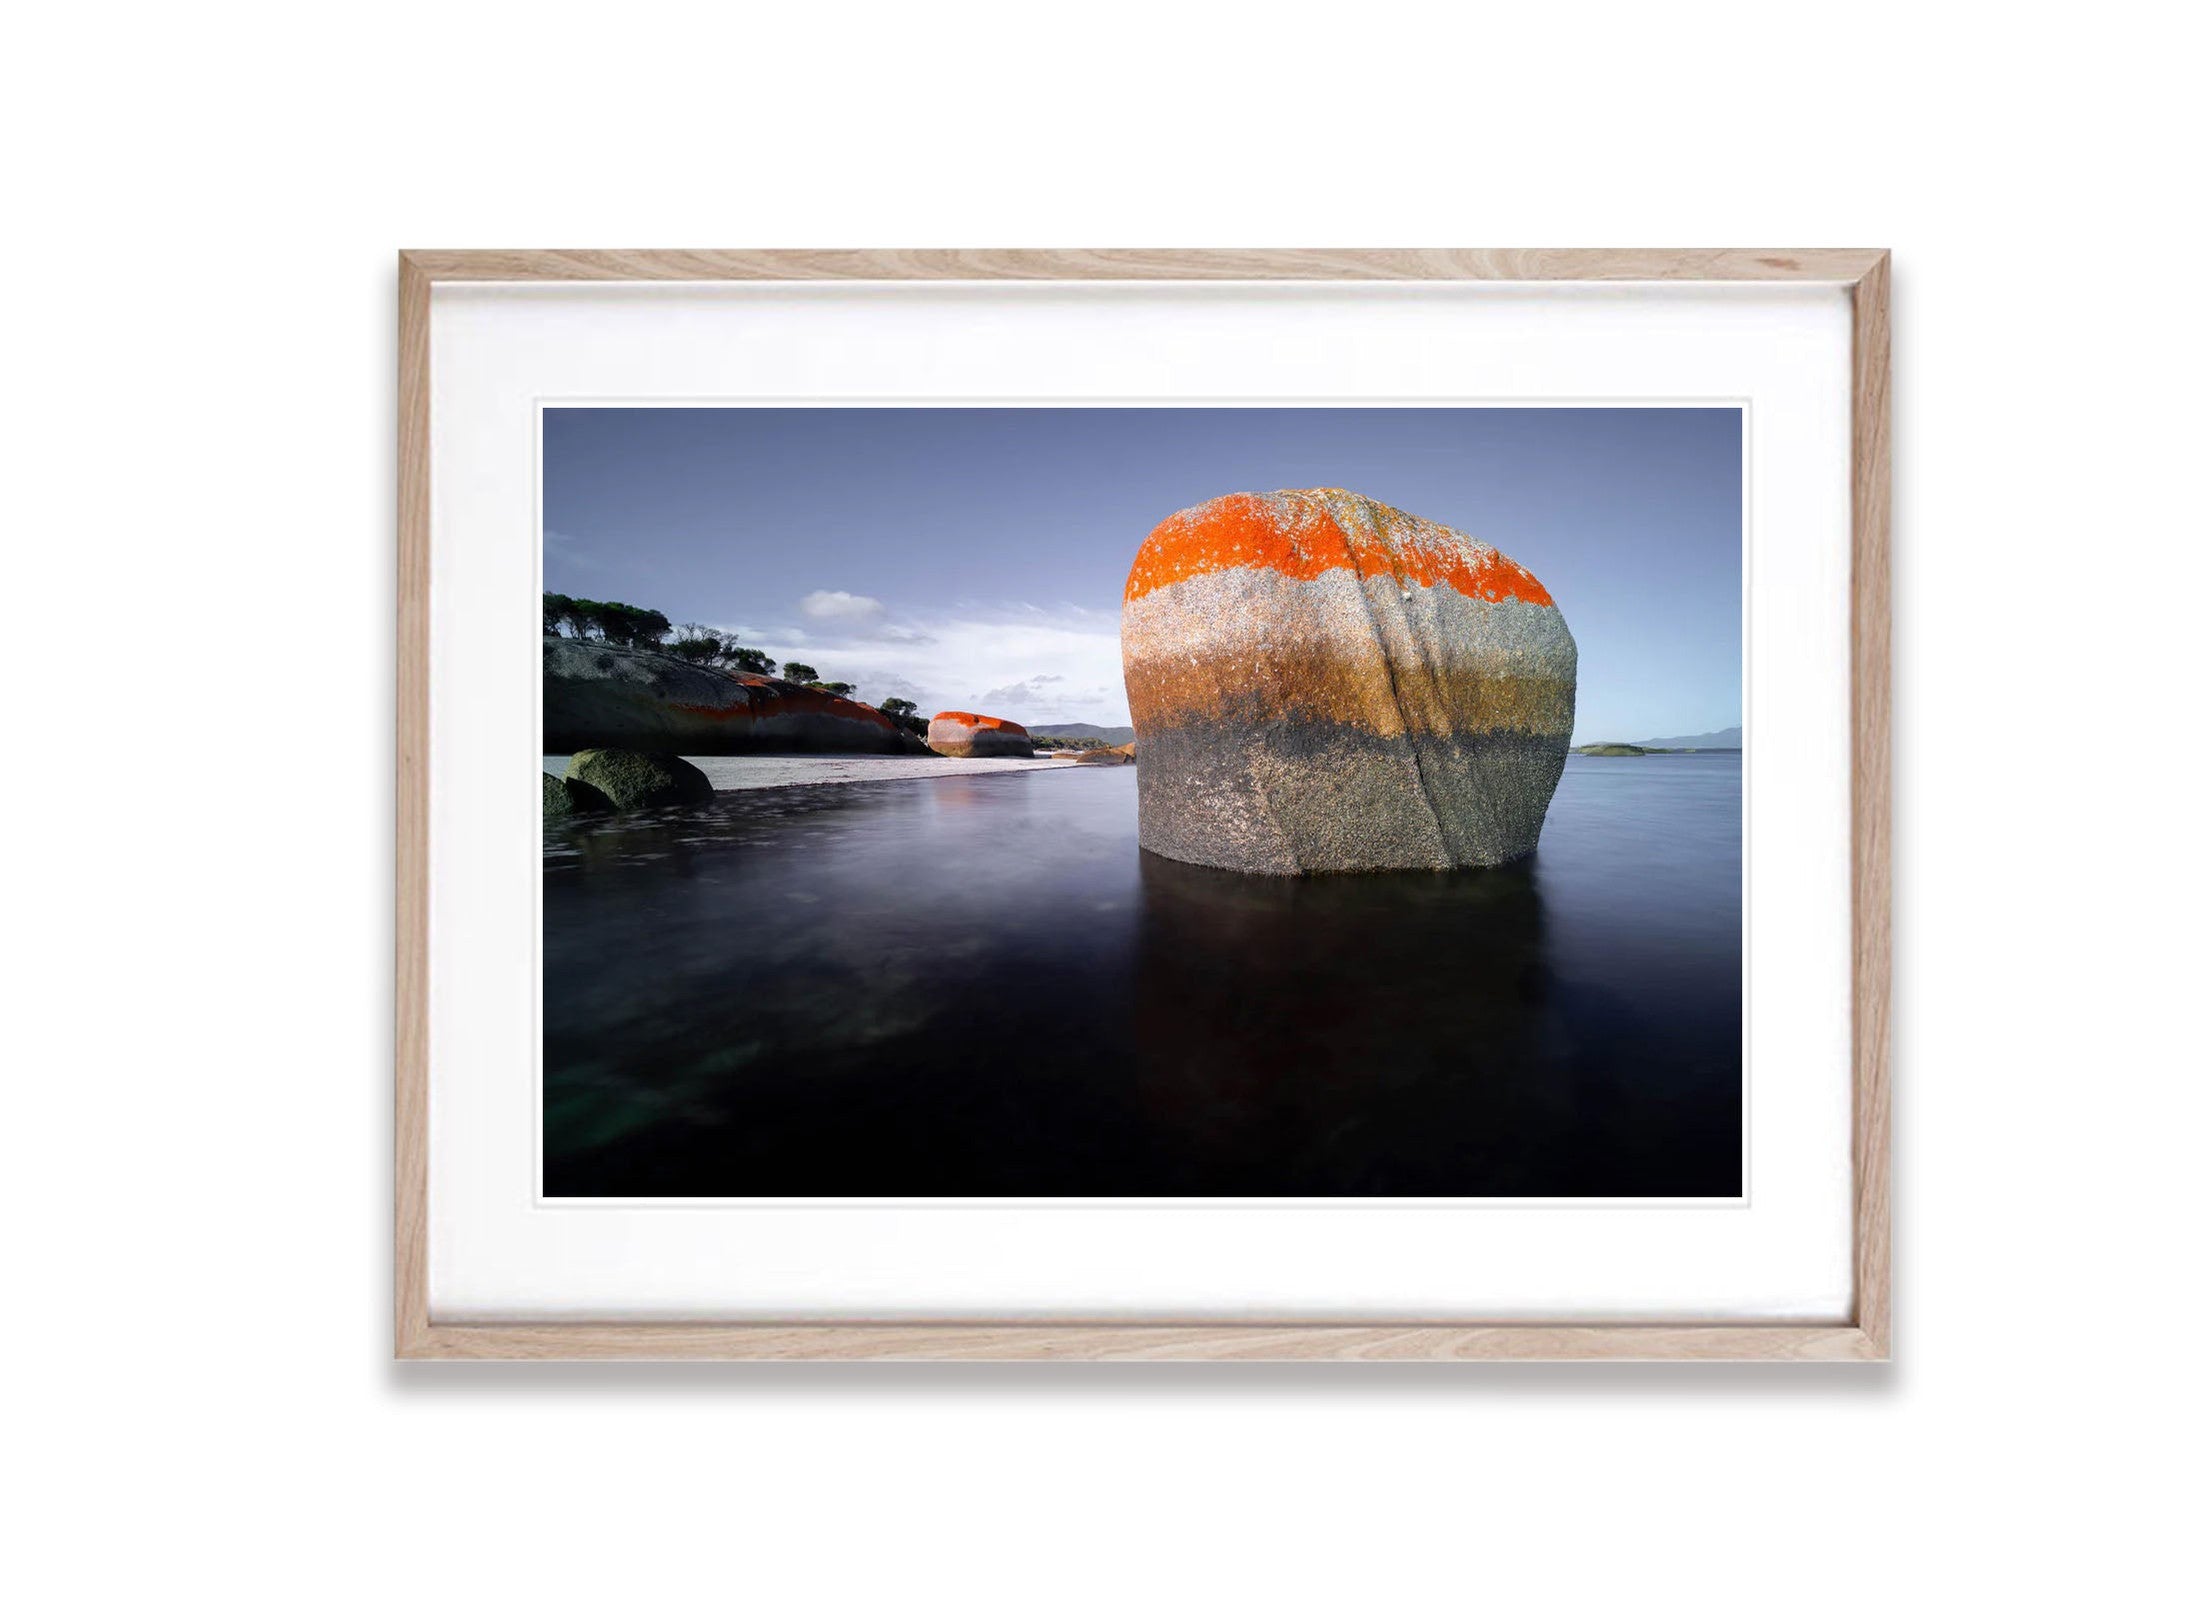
<point x="967" y="733"/>
<point x="634" y="780"/>
<point x="1324" y="683"/>
<point x="601" y="695"/>
<point x="562" y="797"/>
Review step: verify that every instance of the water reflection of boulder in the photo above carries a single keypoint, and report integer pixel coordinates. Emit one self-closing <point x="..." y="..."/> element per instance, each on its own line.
<point x="1369" y="1034"/>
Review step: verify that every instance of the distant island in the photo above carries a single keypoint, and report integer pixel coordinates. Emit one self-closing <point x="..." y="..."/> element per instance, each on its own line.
<point x="1074" y="733"/>
<point x="1726" y="738"/>
<point x="1726" y="741"/>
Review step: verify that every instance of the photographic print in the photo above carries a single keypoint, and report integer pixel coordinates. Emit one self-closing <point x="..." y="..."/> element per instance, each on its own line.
<point x="1189" y="803"/>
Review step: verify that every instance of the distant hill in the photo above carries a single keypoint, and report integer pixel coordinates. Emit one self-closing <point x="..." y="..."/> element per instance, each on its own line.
<point x="1109" y="735"/>
<point x="1726" y="738"/>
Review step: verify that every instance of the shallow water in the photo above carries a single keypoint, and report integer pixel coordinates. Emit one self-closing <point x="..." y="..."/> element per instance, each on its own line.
<point x="779" y="771"/>
<point x="977" y="986"/>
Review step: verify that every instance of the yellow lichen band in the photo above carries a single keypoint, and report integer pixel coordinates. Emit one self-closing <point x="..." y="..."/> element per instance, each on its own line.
<point x="1373" y="654"/>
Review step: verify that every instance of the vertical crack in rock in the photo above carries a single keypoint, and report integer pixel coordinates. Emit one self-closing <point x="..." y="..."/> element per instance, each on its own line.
<point x="1276" y="830"/>
<point x="1408" y="733"/>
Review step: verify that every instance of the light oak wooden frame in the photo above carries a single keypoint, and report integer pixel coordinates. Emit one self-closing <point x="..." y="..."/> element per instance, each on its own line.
<point x="1862" y="1336"/>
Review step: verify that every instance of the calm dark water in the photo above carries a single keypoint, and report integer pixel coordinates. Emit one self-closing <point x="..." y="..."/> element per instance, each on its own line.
<point x="980" y="986"/>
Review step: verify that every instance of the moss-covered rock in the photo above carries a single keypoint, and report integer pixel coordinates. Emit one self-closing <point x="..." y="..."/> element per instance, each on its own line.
<point x="634" y="780"/>
<point x="561" y="798"/>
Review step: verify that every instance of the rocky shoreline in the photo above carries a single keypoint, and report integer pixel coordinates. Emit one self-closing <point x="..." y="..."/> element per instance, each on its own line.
<point x="734" y="773"/>
<point x="597" y="695"/>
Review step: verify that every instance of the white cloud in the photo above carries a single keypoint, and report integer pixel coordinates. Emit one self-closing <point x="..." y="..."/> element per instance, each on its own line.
<point x="1030" y="689"/>
<point x="1025" y="662"/>
<point x="838" y="605"/>
<point x="877" y="687"/>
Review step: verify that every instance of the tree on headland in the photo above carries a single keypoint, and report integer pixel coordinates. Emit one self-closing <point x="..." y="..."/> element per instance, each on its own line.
<point x="608" y="620"/>
<point x="577" y="618"/>
<point x="902" y="714"/>
<point x="699" y="645"/>
<point x="631" y="625"/>
<point x="639" y="628"/>
<point x="808" y="677"/>
<point x="745" y="659"/>
<point x="714" y="646"/>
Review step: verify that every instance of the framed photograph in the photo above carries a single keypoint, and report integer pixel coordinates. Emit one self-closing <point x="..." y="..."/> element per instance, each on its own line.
<point x="1120" y="804"/>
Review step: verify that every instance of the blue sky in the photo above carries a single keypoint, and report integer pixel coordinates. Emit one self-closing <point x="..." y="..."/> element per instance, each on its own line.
<point x="973" y="559"/>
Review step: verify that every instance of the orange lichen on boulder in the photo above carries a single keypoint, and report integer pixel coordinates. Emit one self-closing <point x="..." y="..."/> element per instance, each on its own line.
<point x="968" y="733"/>
<point x="1301" y="533"/>
<point x="972" y="720"/>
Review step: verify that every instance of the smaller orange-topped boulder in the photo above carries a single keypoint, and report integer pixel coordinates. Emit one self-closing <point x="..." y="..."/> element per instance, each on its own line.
<point x="967" y="733"/>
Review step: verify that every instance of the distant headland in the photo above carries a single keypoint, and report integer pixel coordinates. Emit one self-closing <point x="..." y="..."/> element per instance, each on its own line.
<point x="1726" y="741"/>
<point x="1726" y="738"/>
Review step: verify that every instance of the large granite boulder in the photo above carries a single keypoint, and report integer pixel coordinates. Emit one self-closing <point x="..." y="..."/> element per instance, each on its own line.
<point x="600" y="694"/>
<point x="967" y="733"/>
<point x="1323" y="683"/>
<point x="635" y="780"/>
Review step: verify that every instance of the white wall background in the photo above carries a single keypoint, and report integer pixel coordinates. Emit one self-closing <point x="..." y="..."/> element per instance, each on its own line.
<point x="198" y="560"/>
